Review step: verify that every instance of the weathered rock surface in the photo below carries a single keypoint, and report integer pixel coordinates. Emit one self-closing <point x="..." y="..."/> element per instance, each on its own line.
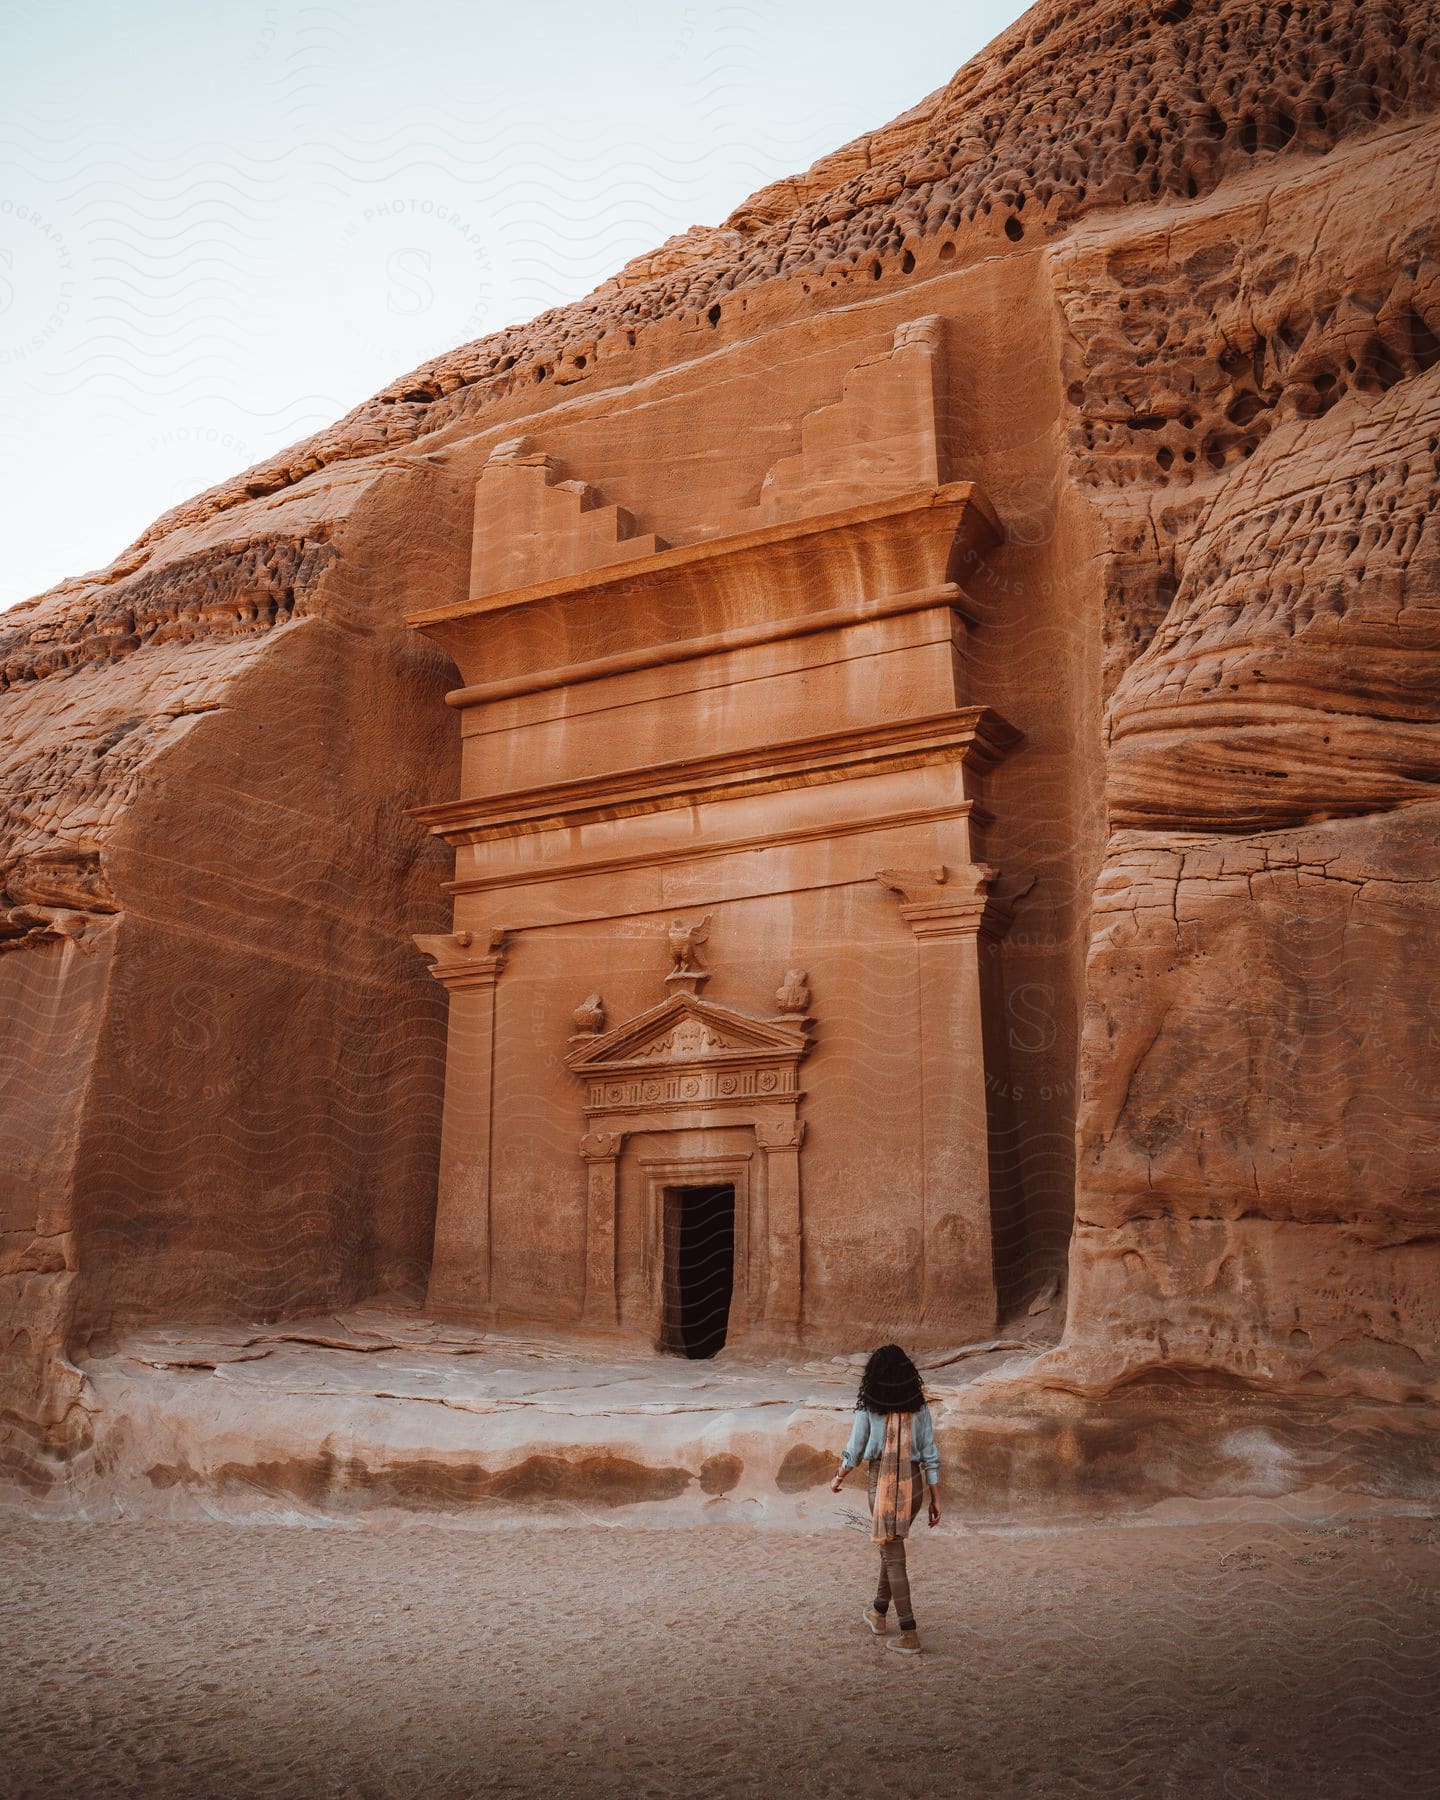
<point x="1259" y="1182"/>
<point x="377" y="1414"/>
<point x="1188" y="270"/>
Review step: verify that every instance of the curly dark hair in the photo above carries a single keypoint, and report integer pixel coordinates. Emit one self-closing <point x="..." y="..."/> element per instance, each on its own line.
<point x="891" y="1382"/>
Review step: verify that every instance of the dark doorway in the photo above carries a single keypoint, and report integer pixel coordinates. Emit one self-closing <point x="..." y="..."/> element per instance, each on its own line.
<point x="701" y="1259"/>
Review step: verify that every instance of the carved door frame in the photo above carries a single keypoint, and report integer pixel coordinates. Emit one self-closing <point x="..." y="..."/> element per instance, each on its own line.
<point x="688" y="1065"/>
<point x="661" y="1176"/>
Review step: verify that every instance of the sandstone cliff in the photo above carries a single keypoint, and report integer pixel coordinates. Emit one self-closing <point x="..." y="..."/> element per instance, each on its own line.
<point x="1187" y="259"/>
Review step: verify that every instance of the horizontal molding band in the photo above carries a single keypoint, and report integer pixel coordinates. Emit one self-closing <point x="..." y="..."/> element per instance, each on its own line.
<point x="581" y="870"/>
<point x="718" y="643"/>
<point x="976" y="735"/>
<point x="699" y="1111"/>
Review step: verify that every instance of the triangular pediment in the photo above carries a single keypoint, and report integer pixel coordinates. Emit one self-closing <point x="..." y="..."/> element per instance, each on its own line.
<point x="686" y="1029"/>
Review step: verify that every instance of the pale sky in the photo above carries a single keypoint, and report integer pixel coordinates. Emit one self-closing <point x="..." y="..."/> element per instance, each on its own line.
<point x="221" y="227"/>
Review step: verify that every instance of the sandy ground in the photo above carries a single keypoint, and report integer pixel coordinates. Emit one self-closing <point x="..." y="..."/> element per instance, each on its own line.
<point x="163" y="1659"/>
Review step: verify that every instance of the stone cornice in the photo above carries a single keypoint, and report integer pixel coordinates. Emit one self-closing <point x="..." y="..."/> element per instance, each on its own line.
<point x="718" y="643"/>
<point x="982" y="533"/>
<point x="976" y="736"/>
<point x="718" y="848"/>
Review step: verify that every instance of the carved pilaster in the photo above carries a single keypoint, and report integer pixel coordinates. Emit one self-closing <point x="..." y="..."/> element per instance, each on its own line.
<point x="950" y="911"/>
<point x="601" y="1150"/>
<point x="468" y="964"/>
<point x="780" y="1139"/>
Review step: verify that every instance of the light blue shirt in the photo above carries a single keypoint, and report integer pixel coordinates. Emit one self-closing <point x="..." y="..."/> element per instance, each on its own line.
<point x="867" y="1440"/>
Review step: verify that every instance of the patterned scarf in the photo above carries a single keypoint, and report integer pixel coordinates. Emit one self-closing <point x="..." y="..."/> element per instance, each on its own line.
<point x="892" y="1510"/>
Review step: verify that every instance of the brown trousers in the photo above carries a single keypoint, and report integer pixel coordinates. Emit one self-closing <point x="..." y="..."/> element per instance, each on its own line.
<point x="894" y="1578"/>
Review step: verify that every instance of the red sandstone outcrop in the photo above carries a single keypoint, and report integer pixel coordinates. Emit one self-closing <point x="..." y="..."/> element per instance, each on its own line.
<point x="1187" y="265"/>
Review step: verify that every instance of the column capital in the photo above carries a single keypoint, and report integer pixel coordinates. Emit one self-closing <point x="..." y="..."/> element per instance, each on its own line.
<point x="601" y="1146"/>
<point x="779" y="1134"/>
<point x="464" y="959"/>
<point x="941" y="902"/>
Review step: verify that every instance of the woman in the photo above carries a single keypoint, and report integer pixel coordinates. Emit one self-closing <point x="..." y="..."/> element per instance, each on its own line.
<point x="894" y="1433"/>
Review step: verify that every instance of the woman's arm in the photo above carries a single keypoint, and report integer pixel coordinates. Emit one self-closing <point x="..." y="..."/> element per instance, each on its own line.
<point x="930" y="1460"/>
<point x="859" y="1433"/>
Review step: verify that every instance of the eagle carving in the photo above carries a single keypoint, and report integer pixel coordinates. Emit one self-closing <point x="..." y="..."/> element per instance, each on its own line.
<point x="685" y="941"/>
